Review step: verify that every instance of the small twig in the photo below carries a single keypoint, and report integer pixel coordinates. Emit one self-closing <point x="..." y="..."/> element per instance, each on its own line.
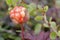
<point x="45" y="20"/>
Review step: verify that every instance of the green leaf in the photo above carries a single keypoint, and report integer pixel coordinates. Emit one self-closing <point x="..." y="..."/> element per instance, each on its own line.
<point x="25" y="5"/>
<point x="1" y="38"/>
<point x="46" y="8"/>
<point x="53" y="24"/>
<point x="9" y="2"/>
<point x="12" y="2"/>
<point x="31" y="7"/>
<point x="37" y="28"/>
<point x="46" y="25"/>
<point x="53" y="35"/>
<point x="58" y="33"/>
<point x="40" y="9"/>
<point x="33" y="13"/>
<point x="38" y="18"/>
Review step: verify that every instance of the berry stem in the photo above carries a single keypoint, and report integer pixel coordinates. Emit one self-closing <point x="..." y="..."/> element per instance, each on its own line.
<point x="22" y="28"/>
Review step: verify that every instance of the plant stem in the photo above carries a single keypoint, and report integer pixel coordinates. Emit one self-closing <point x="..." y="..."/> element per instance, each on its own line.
<point x="22" y="28"/>
<point x="45" y="20"/>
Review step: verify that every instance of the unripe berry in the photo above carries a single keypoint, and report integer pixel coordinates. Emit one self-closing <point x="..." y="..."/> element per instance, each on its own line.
<point x="19" y="14"/>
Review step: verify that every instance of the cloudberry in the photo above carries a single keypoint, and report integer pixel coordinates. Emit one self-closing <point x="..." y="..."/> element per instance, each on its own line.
<point x="19" y="14"/>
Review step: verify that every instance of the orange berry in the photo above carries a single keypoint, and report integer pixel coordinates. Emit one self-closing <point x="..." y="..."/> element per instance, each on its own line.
<point x="19" y="14"/>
